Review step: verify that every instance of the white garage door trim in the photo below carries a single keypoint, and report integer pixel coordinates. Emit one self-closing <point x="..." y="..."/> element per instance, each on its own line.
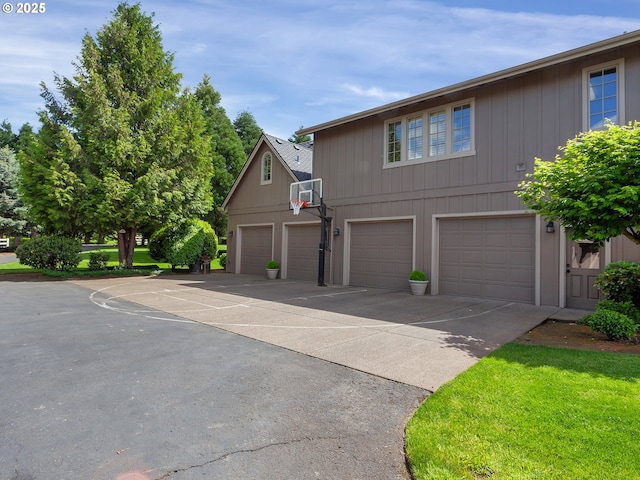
<point x="239" y="240"/>
<point x="435" y="244"/>
<point x="285" y="244"/>
<point x="346" y="266"/>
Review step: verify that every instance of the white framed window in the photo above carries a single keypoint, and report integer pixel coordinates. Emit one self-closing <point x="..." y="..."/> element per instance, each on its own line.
<point x="414" y="138"/>
<point x="267" y="161"/>
<point x="603" y="95"/>
<point x="447" y="130"/>
<point x="394" y="142"/>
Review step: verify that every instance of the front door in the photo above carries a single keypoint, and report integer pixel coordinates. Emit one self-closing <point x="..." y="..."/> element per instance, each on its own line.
<point x="585" y="261"/>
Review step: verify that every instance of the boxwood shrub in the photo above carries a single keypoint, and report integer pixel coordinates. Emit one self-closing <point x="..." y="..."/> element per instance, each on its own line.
<point x="614" y="325"/>
<point x="620" y="282"/>
<point x="626" y="308"/>
<point x="98" y="260"/>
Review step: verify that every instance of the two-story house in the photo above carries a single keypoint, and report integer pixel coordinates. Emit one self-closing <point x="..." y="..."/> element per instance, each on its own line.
<point x="428" y="182"/>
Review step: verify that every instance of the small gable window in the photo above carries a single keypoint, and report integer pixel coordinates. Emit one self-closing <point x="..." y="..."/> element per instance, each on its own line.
<point x="267" y="161"/>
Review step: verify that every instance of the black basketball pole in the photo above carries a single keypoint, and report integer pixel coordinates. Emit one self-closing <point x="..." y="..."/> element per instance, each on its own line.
<point x="323" y="242"/>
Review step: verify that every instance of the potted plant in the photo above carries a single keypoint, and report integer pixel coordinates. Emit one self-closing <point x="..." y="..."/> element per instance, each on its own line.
<point x="418" y="282"/>
<point x="272" y="269"/>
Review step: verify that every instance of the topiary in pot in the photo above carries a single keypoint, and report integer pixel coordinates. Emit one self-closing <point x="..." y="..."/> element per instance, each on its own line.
<point x="418" y="282"/>
<point x="272" y="269"/>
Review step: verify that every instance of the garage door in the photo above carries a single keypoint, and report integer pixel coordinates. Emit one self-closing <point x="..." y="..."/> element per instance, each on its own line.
<point x="302" y="252"/>
<point x="488" y="258"/>
<point x="381" y="254"/>
<point x="255" y="249"/>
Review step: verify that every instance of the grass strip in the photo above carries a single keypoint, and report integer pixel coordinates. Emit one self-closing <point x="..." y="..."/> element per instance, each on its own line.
<point x="528" y="412"/>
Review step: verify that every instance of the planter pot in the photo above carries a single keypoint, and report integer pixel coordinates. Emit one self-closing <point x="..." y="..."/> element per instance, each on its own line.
<point x="272" y="273"/>
<point x="418" y="287"/>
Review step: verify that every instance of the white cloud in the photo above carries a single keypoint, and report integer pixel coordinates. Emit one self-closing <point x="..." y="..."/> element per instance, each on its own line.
<point x="375" y="93"/>
<point x="309" y="61"/>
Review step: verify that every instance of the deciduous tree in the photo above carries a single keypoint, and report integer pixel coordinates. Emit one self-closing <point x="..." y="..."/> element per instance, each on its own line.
<point x="593" y="186"/>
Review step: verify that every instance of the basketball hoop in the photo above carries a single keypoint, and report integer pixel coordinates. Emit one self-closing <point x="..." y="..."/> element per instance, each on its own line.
<point x="297" y="204"/>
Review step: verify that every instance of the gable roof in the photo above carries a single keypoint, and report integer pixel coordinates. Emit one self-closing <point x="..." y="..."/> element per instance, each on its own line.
<point x="619" y="41"/>
<point x="297" y="160"/>
<point x="298" y="157"/>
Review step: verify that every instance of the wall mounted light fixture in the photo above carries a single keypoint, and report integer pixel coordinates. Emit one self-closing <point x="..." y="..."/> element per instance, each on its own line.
<point x="336" y="231"/>
<point x="551" y="227"/>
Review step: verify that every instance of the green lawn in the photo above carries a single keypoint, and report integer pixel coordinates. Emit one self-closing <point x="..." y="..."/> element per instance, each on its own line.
<point x="530" y="412"/>
<point x="141" y="259"/>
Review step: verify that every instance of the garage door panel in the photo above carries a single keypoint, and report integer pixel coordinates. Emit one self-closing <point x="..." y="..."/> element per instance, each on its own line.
<point x="381" y="254"/>
<point x="302" y="252"/>
<point x="522" y="259"/>
<point x="495" y="241"/>
<point x="488" y="258"/>
<point x="495" y="258"/>
<point x="255" y="249"/>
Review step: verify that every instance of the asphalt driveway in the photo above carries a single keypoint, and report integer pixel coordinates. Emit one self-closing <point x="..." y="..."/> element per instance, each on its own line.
<point x="95" y="386"/>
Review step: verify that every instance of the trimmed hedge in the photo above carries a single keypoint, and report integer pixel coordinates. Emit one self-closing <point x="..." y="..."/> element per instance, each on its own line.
<point x="183" y="243"/>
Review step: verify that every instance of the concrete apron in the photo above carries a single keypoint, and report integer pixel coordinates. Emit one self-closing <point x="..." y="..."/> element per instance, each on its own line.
<point x="421" y="341"/>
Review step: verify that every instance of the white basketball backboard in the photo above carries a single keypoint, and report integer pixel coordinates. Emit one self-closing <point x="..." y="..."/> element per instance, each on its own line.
<point x="308" y="191"/>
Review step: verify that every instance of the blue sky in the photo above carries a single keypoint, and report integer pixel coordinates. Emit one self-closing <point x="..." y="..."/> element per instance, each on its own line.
<point x="304" y="62"/>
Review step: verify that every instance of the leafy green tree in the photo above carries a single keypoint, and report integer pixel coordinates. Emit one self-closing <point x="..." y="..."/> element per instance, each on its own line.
<point x="123" y="148"/>
<point x="593" y="188"/>
<point x="248" y="130"/>
<point x="295" y="138"/>
<point x="227" y="154"/>
<point x="12" y="220"/>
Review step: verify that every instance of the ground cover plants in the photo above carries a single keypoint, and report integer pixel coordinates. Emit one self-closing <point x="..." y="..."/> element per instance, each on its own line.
<point x="528" y="412"/>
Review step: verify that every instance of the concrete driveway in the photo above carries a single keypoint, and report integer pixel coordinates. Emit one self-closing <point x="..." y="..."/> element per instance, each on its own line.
<point x="420" y="341"/>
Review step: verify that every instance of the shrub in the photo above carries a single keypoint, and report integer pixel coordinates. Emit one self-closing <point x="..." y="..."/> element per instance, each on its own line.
<point x="50" y="252"/>
<point x="614" y="325"/>
<point x="620" y="282"/>
<point x="223" y="260"/>
<point x="159" y="240"/>
<point x="183" y="243"/>
<point x="98" y="260"/>
<point x="272" y="264"/>
<point x="626" y="308"/>
<point x="418" y="275"/>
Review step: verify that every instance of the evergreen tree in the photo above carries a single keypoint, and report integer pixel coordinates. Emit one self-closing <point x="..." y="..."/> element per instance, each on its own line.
<point x="7" y="137"/>
<point x="227" y="154"/>
<point x="12" y="221"/>
<point x="295" y="138"/>
<point x="124" y="148"/>
<point x="248" y="130"/>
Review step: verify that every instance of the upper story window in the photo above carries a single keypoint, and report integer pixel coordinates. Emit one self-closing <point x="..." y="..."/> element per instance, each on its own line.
<point x="448" y="130"/>
<point x="603" y="92"/>
<point x="266" y="169"/>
